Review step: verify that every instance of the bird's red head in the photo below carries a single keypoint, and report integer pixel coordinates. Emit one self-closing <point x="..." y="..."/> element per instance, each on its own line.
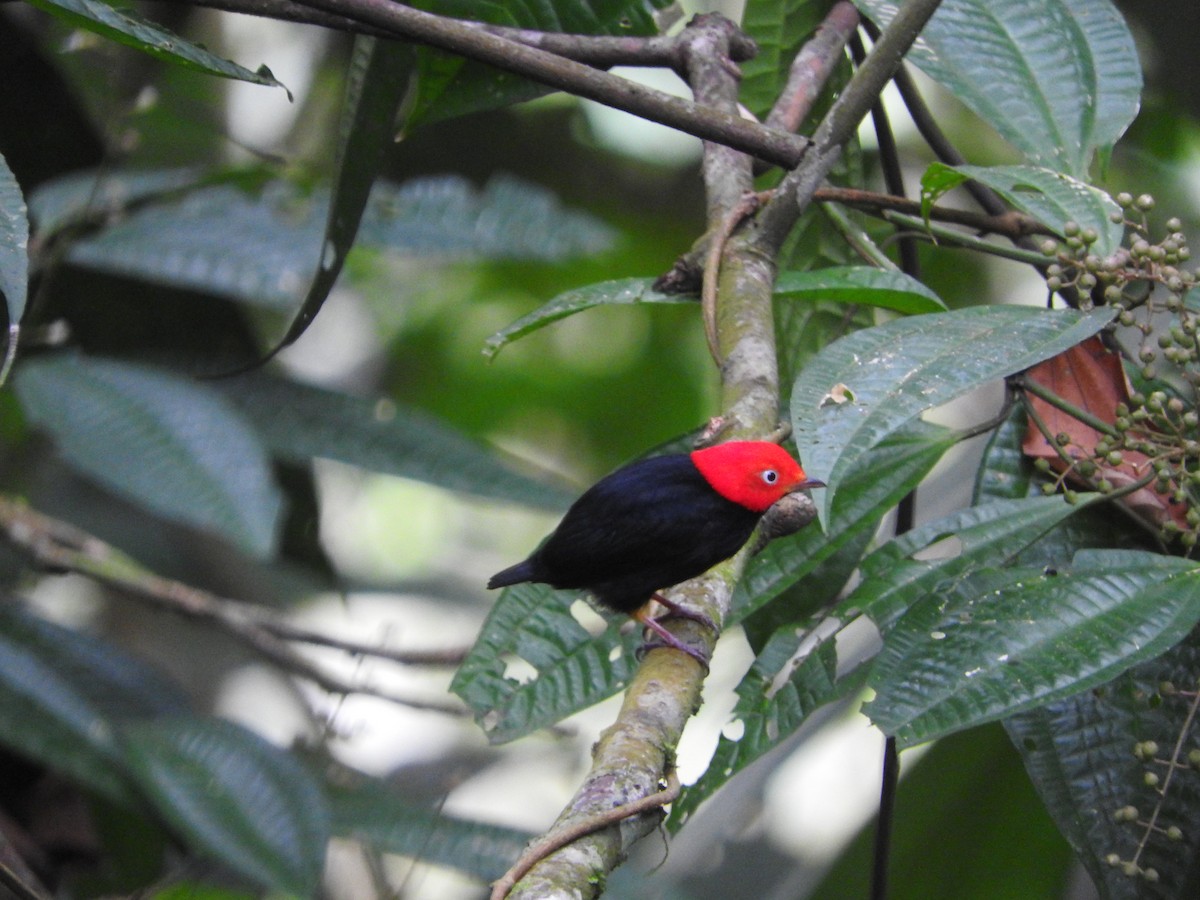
<point x="753" y="474"/>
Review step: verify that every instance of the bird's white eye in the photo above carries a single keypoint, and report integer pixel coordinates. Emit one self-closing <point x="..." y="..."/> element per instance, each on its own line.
<point x="770" y="476"/>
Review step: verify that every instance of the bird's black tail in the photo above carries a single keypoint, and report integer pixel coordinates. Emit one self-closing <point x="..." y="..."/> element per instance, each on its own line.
<point x="522" y="571"/>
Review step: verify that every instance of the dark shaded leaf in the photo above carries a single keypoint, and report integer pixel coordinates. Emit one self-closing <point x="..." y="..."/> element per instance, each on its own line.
<point x="1079" y="751"/>
<point x="1003" y="641"/>
<point x="60" y="692"/>
<point x="376" y="83"/>
<point x="373" y="813"/>
<point x="127" y="27"/>
<point x="299" y="422"/>
<point x="235" y="797"/>
<point x="967" y="824"/>
<point x="260" y="247"/>
<point x="171" y="444"/>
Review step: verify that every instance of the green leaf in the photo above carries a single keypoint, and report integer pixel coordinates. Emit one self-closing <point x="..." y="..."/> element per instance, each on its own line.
<point x="14" y="260"/>
<point x="988" y="537"/>
<point x="259" y="247"/>
<point x="378" y="78"/>
<point x="847" y="285"/>
<point x="1050" y="197"/>
<point x="1078" y="752"/>
<point x="864" y="285"/>
<point x="98" y="196"/>
<point x="235" y="797"/>
<point x="127" y="27"/>
<point x="865" y="498"/>
<point x="623" y="291"/>
<point x="866" y="385"/>
<point x="774" y="699"/>
<point x="1056" y="78"/>
<point x="534" y="664"/>
<point x="14" y="244"/>
<point x="1002" y="641"/>
<point x="60" y="692"/>
<point x="171" y="444"/>
<point x="375" y="813"/>
<point x="299" y="422"/>
<point x="191" y="890"/>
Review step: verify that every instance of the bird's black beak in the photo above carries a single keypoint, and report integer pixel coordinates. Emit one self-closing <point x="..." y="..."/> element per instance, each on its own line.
<point x="807" y="484"/>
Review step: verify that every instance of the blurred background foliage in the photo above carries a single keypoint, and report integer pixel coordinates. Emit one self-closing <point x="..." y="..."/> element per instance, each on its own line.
<point x="576" y="399"/>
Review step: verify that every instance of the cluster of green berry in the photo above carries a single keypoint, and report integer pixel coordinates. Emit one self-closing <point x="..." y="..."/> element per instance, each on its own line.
<point x="1147" y="281"/>
<point x="1148" y="753"/>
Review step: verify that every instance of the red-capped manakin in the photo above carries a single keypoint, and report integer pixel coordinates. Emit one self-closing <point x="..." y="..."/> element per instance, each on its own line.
<point x="659" y="521"/>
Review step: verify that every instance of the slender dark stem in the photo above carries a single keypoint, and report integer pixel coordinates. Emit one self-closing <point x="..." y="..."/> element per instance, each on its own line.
<point x="893" y="178"/>
<point x="933" y="135"/>
<point x="796" y="191"/>
<point x="883" y="827"/>
<point x="889" y="162"/>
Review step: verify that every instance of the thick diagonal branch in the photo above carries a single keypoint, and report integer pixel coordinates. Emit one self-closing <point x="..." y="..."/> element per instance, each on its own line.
<point x="634" y="755"/>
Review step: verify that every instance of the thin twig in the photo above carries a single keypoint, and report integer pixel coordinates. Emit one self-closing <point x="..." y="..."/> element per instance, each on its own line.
<point x="712" y="268"/>
<point x="941" y="235"/>
<point x="58" y="546"/>
<point x="812" y="67"/>
<point x="1009" y="223"/>
<point x="1173" y="765"/>
<point x="559" y="838"/>
<point x="840" y="124"/>
<point x="600" y="50"/>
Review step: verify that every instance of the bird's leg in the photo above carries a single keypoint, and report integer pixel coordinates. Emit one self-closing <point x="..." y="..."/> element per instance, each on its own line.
<point x="683" y="612"/>
<point x="643" y="616"/>
<point x="667" y="639"/>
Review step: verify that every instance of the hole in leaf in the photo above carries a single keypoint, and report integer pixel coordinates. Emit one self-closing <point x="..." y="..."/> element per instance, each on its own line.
<point x="518" y="669"/>
<point x="590" y="620"/>
<point x="734" y="730"/>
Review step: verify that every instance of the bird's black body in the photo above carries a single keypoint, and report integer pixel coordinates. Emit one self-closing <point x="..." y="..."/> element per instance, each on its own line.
<point x="648" y="526"/>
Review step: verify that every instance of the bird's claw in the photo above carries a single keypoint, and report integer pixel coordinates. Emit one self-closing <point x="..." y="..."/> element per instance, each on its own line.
<point x="683" y="612"/>
<point x="665" y="638"/>
<point x="662" y="643"/>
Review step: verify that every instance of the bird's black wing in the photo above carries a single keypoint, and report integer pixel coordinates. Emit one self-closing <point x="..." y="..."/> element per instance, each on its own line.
<point x="645" y="527"/>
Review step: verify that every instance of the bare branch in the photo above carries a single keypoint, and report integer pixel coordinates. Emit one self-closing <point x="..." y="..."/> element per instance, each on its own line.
<point x="56" y="545"/>
<point x="633" y="755"/>
<point x="812" y="67"/>
<point x="556" y="72"/>
<point x="840" y="123"/>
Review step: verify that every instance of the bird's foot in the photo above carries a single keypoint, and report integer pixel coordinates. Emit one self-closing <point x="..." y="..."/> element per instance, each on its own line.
<point x="684" y="613"/>
<point x="666" y="639"/>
